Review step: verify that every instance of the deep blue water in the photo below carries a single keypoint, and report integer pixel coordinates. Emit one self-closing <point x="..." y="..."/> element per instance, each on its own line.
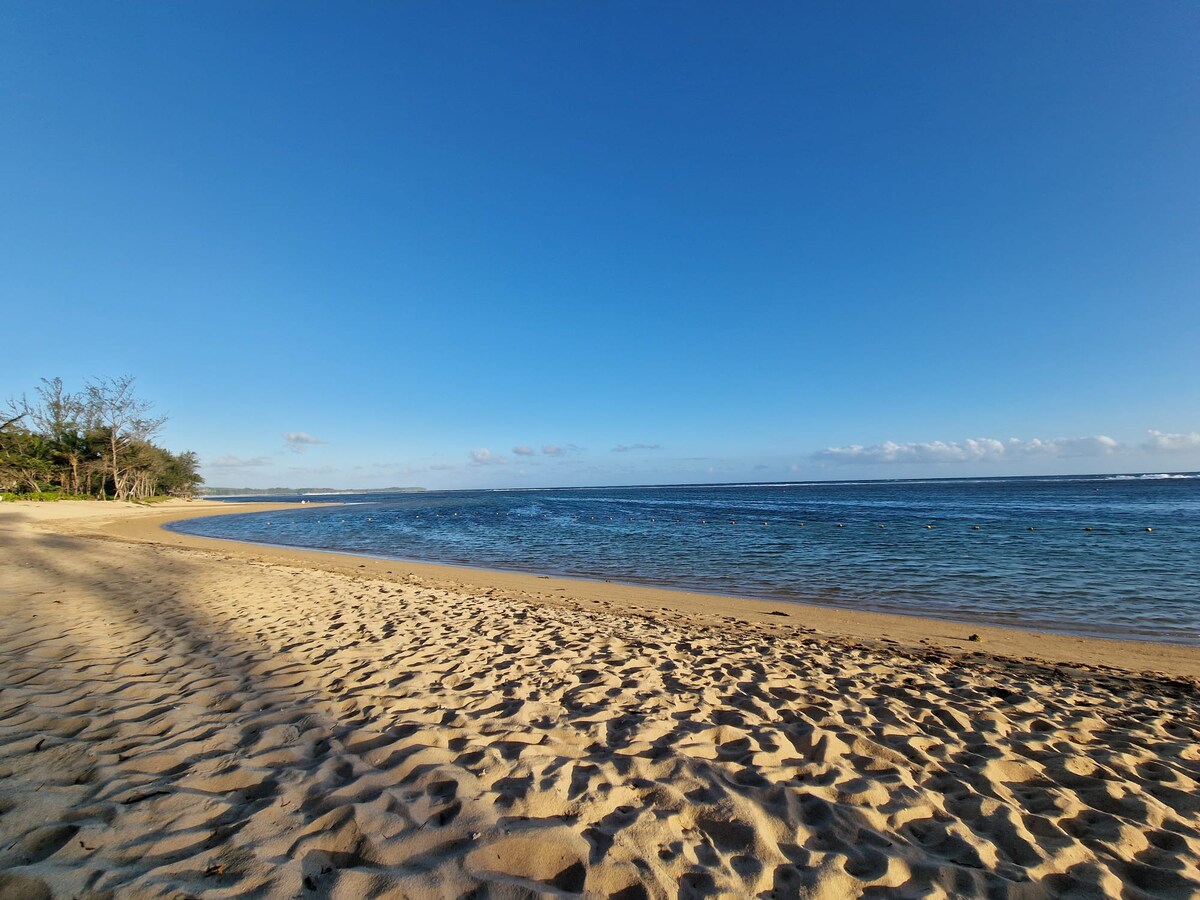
<point x="862" y="545"/>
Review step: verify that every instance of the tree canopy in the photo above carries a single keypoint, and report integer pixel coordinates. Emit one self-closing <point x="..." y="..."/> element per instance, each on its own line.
<point x="96" y="442"/>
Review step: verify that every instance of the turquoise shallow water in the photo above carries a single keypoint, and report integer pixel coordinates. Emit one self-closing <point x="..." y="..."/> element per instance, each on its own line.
<point x="1010" y="551"/>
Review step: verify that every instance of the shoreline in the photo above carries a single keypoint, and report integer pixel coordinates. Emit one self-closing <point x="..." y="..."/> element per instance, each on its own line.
<point x="877" y="629"/>
<point x="1000" y="583"/>
<point x="803" y="604"/>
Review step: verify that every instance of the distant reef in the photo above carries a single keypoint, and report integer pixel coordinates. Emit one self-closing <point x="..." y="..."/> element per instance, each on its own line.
<point x="245" y="492"/>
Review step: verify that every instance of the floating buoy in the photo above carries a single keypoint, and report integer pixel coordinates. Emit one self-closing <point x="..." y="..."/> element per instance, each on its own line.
<point x="1031" y="528"/>
<point x="883" y="526"/>
<point x="928" y="526"/>
<point x="1088" y="528"/>
<point x="801" y="524"/>
<point x="841" y="525"/>
<point x="976" y="527"/>
<point x="1149" y="529"/>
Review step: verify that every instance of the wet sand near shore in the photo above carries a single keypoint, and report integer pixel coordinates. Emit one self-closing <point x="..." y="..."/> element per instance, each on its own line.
<point x="184" y="715"/>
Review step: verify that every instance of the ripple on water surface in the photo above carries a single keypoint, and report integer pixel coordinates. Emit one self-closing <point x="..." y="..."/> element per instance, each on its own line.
<point x="1006" y="551"/>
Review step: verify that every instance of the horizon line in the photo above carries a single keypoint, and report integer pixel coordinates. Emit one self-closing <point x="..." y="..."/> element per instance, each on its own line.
<point x="693" y="484"/>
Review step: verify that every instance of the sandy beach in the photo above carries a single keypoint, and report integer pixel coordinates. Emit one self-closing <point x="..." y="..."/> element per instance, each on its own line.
<point x="182" y="716"/>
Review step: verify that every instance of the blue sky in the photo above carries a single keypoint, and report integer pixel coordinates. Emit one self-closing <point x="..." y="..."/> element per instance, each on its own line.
<point x="460" y="245"/>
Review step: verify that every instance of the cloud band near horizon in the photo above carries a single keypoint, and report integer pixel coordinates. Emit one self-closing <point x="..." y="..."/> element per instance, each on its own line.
<point x="971" y="450"/>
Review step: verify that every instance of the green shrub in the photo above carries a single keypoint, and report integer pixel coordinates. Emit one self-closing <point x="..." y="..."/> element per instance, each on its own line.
<point x="43" y="495"/>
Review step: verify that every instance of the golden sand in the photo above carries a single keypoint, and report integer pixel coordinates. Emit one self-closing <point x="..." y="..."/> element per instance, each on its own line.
<point x="181" y="716"/>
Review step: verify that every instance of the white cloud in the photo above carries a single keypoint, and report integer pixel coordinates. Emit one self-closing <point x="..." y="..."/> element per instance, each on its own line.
<point x="524" y="450"/>
<point x="1160" y="440"/>
<point x="229" y="461"/>
<point x="298" y="441"/>
<point x="625" y="448"/>
<point x="485" y="457"/>
<point x="1094" y="445"/>
<point x="561" y="449"/>
<point x="971" y="450"/>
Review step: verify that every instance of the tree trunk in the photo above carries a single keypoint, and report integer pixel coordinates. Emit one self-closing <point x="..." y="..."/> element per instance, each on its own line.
<point x="118" y="477"/>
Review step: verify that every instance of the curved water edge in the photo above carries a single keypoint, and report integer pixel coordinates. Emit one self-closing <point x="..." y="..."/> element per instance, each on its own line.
<point x="1006" y="552"/>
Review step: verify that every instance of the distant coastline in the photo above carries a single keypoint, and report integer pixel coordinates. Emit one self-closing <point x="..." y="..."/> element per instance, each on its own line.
<point x="265" y="492"/>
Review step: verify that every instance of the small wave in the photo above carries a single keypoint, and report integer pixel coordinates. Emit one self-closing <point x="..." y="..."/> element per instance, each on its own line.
<point x="1160" y="476"/>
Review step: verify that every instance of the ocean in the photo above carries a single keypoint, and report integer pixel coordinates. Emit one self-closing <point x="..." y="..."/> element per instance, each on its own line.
<point x="1104" y="555"/>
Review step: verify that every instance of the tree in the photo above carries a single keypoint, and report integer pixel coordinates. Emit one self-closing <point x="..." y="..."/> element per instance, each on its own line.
<point x="17" y="411"/>
<point x="63" y="417"/>
<point x="128" y="423"/>
<point x="25" y="461"/>
<point x="180" y="477"/>
<point x="95" y="442"/>
<point x="20" y="451"/>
